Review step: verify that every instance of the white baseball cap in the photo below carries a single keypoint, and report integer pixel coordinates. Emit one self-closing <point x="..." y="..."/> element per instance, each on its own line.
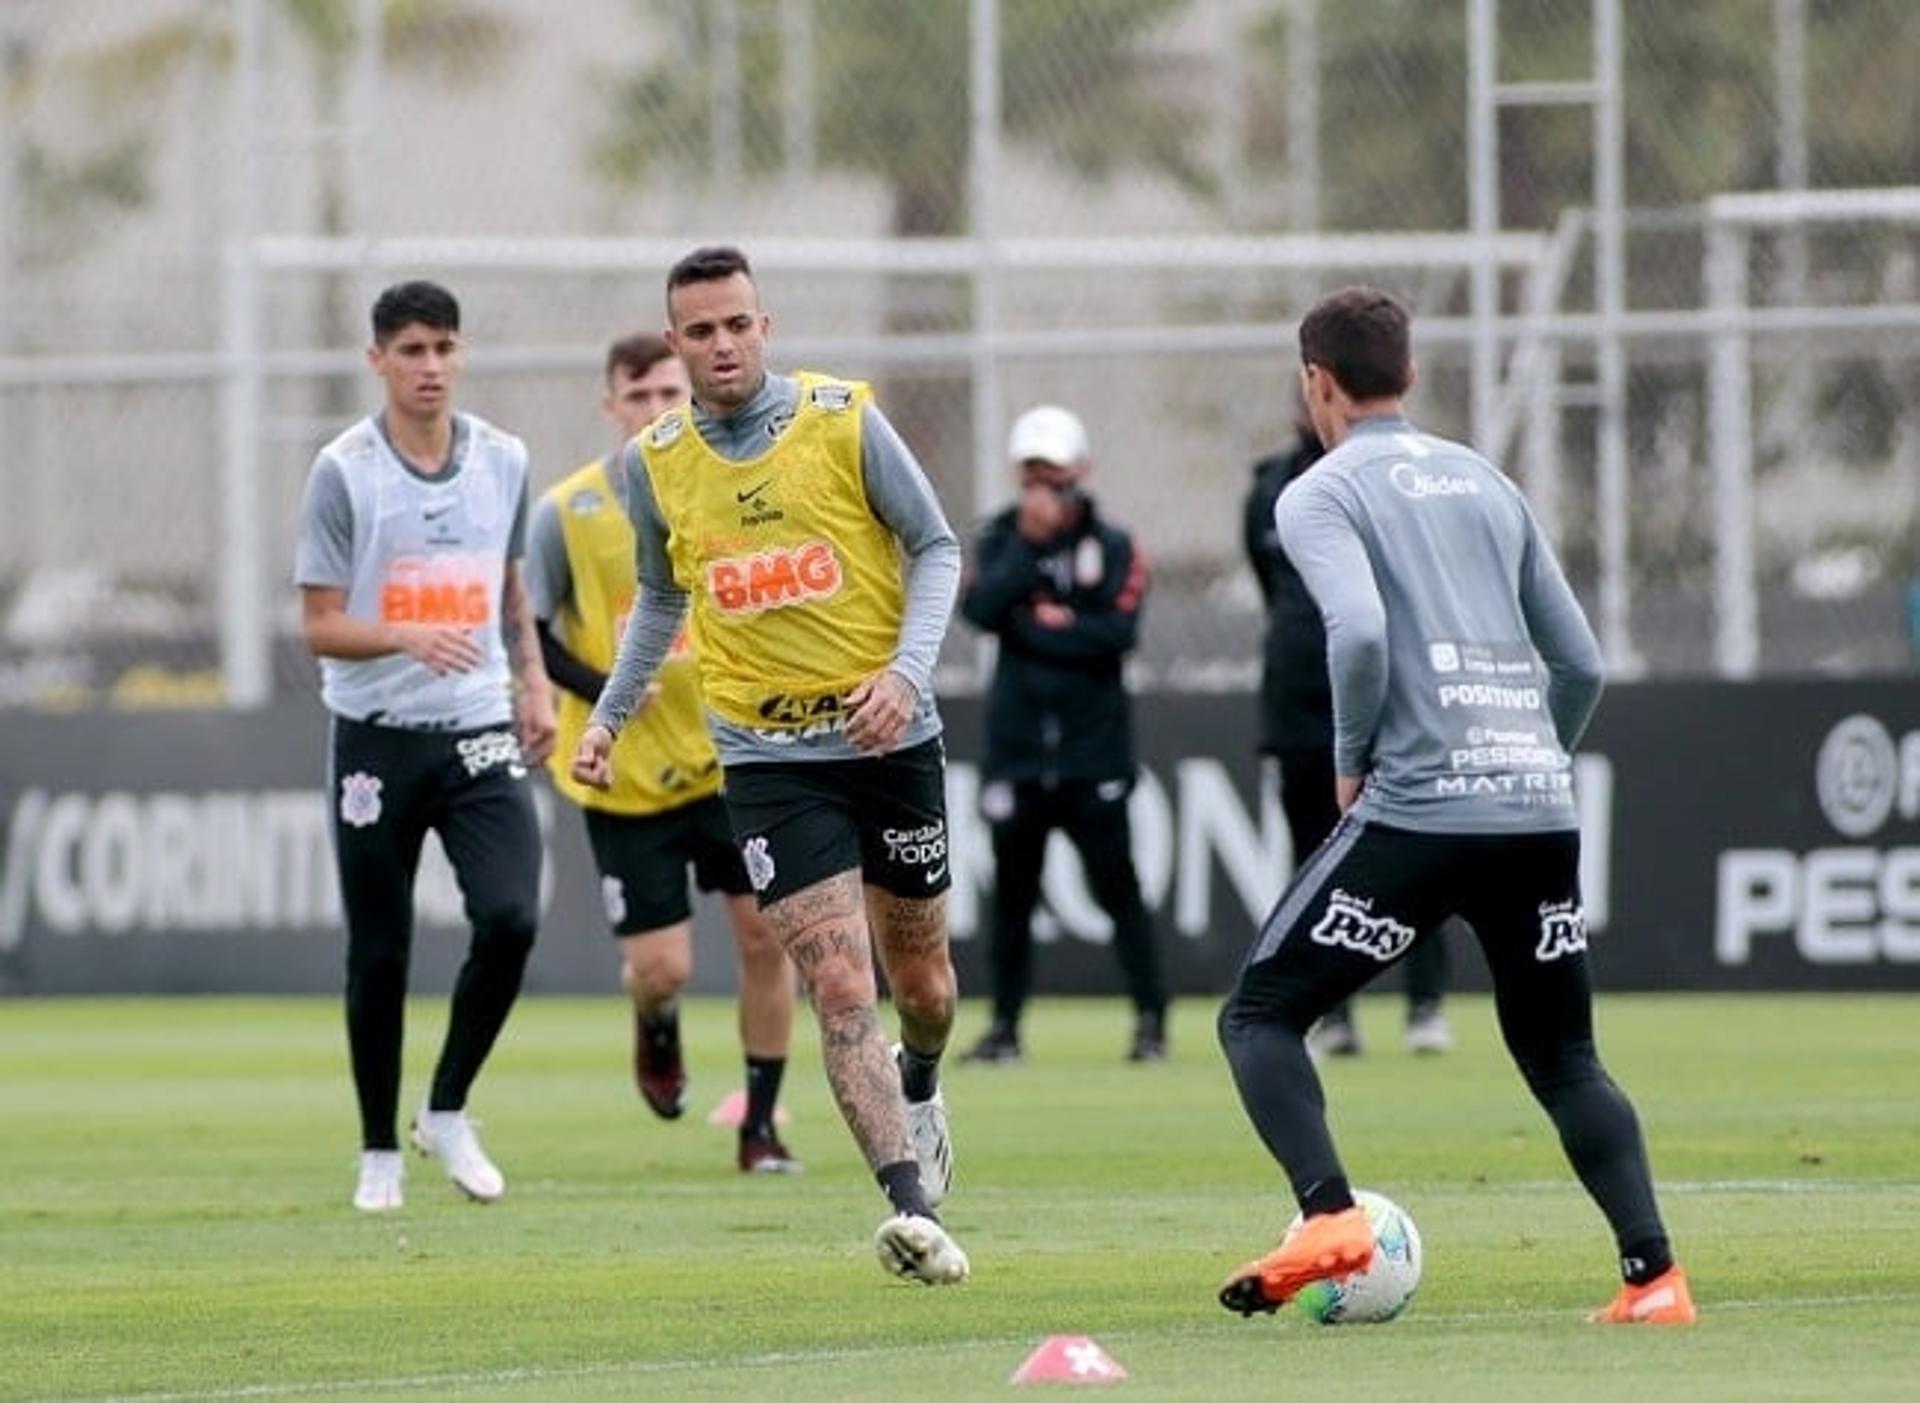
<point x="1050" y="434"/>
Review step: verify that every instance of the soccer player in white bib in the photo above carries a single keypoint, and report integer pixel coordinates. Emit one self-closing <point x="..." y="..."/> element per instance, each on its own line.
<point x="411" y="597"/>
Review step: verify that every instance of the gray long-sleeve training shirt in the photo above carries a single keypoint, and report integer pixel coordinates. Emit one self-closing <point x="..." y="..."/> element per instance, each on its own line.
<point x="1462" y="668"/>
<point x="900" y="497"/>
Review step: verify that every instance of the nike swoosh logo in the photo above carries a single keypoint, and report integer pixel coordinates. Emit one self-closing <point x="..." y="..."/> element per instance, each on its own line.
<point x="936" y="874"/>
<point x="752" y="492"/>
<point x="435" y="513"/>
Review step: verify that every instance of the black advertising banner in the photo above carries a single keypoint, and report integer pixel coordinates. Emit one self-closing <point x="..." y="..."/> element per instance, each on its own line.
<point x="1750" y="836"/>
<point x="1763" y="836"/>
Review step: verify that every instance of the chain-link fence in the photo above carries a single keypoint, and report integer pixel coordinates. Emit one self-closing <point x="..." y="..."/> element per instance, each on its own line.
<point x="1118" y="204"/>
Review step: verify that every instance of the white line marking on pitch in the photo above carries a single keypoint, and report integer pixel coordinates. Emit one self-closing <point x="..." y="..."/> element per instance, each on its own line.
<point x="786" y="1358"/>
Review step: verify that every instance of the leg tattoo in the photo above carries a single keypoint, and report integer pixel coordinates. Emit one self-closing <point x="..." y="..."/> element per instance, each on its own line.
<point x="824" y="931"/>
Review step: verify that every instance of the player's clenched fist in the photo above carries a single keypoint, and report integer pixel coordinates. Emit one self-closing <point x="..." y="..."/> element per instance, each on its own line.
<point x="593" y="759"/>
<point x="878" y="711"/>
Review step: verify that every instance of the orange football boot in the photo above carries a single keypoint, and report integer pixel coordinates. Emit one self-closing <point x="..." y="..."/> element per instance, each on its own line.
<point x="1663" y="1301"/>
<point x="1314" y="1249"/>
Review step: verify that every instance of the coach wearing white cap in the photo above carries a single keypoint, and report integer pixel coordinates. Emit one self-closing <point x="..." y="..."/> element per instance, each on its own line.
<point x="1061" y="588"/>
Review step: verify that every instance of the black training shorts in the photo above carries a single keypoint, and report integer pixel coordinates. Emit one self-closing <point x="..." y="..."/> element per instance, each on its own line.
<point x="798" y="822"/>
<point x="643" y="861"/>
<point x="1356" y="904"/>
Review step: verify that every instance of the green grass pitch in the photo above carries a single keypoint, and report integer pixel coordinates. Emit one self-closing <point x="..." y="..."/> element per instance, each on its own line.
<point x="174" y="1222"/>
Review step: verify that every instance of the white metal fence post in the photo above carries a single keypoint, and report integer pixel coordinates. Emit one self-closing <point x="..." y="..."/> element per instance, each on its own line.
<point x="1736" y="635"/>
<point x="1483" y="208"/>
<point x="1610" y="292"/>
<point x="983" y="180"/>
<point x="245" y="663"/>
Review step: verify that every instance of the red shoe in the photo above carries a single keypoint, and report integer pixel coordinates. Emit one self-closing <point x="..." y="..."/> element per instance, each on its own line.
<point x="1663" y="1301"/>
<point x="658" y="1070"/>
<point x="1314" y="1249"/>
<point x="764" y="1154"/>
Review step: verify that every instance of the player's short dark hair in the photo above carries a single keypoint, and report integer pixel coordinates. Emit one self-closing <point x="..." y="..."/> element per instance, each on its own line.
<point x="639" y="353"/>
<point x="1361" y="336"/>
<point x="710" y="264"/>
<point x="413" y="303"/>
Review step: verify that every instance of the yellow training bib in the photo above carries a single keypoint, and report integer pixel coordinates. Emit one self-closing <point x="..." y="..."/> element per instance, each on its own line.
<point x="796" y="586"/>
<point x="664" y="758"/>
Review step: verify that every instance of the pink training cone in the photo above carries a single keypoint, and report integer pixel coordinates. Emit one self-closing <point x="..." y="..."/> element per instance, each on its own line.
<point x="733" y="1109"/>
<point x="1069" y="1359"/>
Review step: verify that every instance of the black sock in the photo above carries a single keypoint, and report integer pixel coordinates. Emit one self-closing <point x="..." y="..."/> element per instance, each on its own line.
<point x="1327" y="1196"/>
<point x="901" y="1182"/>
<point x="1646" y="1261"/>
<point x="763" y="1091"/>
<point x="919" y="1073"/>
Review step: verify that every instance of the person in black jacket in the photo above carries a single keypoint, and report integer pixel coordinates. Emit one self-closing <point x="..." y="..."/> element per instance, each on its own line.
<point x="1296" y="730"/>
<point x="1061" y="588"/>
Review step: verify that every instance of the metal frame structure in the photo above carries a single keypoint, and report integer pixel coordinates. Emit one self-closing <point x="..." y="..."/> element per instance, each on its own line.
<point x="1731" y="221"/>
<point x="1515" y="354"/>
<point x="1536" y="367"/>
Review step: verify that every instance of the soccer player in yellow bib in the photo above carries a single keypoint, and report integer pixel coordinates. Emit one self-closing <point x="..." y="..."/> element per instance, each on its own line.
<point x="663" y="815"/>
<point x="821" y="574"/>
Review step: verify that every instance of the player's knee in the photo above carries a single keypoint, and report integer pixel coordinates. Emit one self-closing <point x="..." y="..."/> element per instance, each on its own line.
<point x="505" y="928"/>
<point x="924" y="991"/>
<point x="838" y="984"/>
<point x="1250" y="1007"/>
<point x="1550" y="1068"/>
<point x="370" y="962"/>
<point x="656" y="975"/>
<point x="1231" y="1024"/>
<point x="758" y="947"/>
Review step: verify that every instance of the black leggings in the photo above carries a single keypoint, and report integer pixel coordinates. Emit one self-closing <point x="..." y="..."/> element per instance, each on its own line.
<point x="388" y="788"/>
<point x="1306" y="798"/>
<point x="1352" y="910"/>
<point x="1093" y="815"/>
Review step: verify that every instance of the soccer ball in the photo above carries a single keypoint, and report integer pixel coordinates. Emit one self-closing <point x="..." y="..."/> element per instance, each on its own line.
<point x="1382" y="1291"/>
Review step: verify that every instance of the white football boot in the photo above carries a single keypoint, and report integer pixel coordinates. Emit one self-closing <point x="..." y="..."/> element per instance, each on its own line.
<point x="448" y="1137"/>
<point x="382" y="1186"/>
<point x="919" y="1249"/>
<point x="932" y="1146"/>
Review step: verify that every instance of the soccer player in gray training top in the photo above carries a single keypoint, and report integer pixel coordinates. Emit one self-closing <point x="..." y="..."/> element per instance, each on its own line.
<point x="1463" y="673"/>
<point x="409" y="573"/>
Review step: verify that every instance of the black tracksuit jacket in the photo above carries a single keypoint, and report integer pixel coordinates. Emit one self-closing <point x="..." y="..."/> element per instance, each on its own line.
<point x="1058" y="709"/>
